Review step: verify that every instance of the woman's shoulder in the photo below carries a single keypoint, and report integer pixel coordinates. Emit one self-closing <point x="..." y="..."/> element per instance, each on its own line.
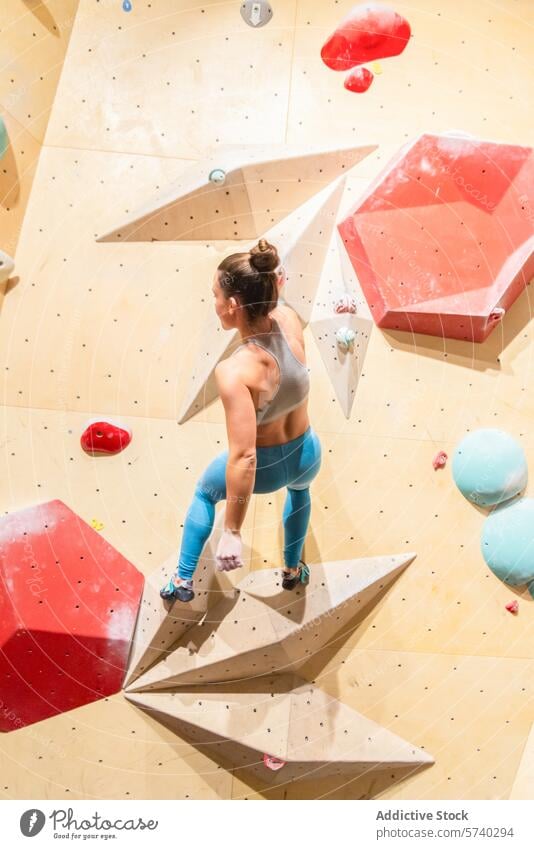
<point x="234" y="370"/>
<point x="242" y="364"/>
<point x="288" y="321"/>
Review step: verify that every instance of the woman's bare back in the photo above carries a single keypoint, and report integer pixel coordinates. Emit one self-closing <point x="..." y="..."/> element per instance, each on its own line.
<point x="261" y="374"/>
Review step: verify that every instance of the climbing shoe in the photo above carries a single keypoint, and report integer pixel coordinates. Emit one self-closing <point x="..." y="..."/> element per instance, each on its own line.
<point x="291" y="579"/>
<point x="183" y="591"/>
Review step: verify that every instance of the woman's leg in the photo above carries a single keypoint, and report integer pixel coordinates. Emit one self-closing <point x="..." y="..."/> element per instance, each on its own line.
<point x="296" y="518"/>
<point x="295" y="463"/>
<point x="199" y="519"/>
<point x="271" y="474"/>
<point x="211" y="488"/>
<point x="303" y="460"/>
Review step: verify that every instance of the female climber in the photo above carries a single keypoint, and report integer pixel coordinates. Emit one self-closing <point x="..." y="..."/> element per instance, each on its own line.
<point x="264" y="387"/>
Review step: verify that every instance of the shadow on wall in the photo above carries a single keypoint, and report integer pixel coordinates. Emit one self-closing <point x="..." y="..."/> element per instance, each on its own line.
<point x="37" y="8"/>
<point x="480" y="356"/>
<point x="369" y="785"/>
<point x="240" y="754"/>
<point x="7" y="286"/>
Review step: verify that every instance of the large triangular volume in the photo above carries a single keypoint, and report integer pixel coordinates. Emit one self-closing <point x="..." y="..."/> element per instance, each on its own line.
<point x="302" y="241"/>
<point x="310" y="734"/>
<point x="216" y="344"/>
<point x="262" y="184"/>
<point x="160" y="624"/>
<point x="350" y="280"/>
<point x="260" y="632"/>
<point x="344" y="365"/>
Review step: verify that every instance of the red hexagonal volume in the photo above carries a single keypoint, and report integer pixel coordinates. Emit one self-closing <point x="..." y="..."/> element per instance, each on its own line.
<point x="68" y="607"/>
<point x="442" y="242"/>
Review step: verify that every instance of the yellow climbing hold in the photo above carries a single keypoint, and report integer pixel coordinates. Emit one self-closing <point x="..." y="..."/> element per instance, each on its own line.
<point x="96" y="524"/>
<point x="377" y="67"/>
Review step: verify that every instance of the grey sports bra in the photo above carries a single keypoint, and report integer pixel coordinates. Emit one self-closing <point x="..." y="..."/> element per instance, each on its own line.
<point x="294" y="383"/>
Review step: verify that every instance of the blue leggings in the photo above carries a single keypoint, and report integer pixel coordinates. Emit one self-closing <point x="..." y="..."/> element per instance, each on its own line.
<point x="293" y="464"/>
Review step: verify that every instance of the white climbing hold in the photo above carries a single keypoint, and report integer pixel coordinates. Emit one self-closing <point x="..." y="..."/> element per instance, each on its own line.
<point x="7" y="266"/>
<point x="273" y="763"/>
<point x="217" y="176"/>
<point x="345" y="337"/>
<point x="256" y="13"/>
<point x="497" y="314"/>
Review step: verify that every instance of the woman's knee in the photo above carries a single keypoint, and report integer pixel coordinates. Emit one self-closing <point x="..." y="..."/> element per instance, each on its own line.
<point x="212" y="483"/>
<point x="209" y="491"/>
<point x="304" y="488"/>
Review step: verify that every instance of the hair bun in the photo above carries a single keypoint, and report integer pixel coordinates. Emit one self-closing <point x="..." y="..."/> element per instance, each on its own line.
<point x="264" y="256"/>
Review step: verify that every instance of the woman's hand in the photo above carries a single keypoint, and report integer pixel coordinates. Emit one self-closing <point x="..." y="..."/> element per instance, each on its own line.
<point x="229" y="551"/>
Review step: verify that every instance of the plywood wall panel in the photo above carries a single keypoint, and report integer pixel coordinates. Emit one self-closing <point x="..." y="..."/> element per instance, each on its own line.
<point x="377" y="494"/>
<point x="109" y="328"/>
<point x="17" y="170"/>
<point x="33" y="43"/>
<point x="110" y="751"/>
<point x="186" y="75"/>
<point x="465" y="52"/>
<point x="108" y="321"/>
<point x="140" y="495"/>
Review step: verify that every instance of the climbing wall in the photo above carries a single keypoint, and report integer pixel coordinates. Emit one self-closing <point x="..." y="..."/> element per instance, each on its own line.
<point x="33" y="43"/>
<point x="69" y="606"/>
<point x="105" y="328"/>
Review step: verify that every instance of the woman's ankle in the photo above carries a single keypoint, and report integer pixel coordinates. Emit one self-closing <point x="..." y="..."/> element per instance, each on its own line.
<point x="178" y="581"/>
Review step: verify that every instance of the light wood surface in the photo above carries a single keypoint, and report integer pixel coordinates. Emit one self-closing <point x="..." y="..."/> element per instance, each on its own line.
<point x="523" y="787"/>
<point x="33" y="44"/>
<point x="287" y="718"/>
<point x="108" y="328"/>
<point x="259" y="186"/>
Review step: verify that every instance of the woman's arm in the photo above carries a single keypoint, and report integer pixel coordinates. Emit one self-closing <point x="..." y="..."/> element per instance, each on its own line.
<point x="241" y="431"/>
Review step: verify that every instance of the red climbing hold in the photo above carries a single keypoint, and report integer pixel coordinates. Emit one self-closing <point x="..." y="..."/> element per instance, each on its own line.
<point x="370" y="31"/>
<point x="105" y="437"/>
<point x="513" y="606"/>
<point x="345" y="304"/>
<point x="358" y="80"/>
<point x="273" y="763"/>
<point x="68" y="605"/>
<point x="440" y="460"/>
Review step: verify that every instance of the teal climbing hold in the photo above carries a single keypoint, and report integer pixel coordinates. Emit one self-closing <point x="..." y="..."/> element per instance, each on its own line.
<point x="508" y="542"/>
<point x="489" y="467"/>
<point x="3" y="138"/>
